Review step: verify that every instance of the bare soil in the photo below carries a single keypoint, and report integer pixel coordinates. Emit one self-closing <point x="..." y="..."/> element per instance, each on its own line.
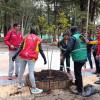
<point x="12" y="93"/>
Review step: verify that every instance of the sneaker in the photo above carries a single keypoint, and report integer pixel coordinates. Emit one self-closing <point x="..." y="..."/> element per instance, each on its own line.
<point x="98" y="74"/>
<point x="97" y="82"/>
<point x="36" y="91"/>
<point x="20" y="85"/>
<point x="10" y="78"/>
<point x="94" y="72"/>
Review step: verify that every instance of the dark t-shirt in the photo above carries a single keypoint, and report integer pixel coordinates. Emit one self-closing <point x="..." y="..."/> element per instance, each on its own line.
<point x="89" y="46"/>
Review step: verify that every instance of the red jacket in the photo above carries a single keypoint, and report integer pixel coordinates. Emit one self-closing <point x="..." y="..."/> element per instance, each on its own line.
<point x="98" y="50"/>
<point x="31" y="47"/>
<point x="13" y="38"/>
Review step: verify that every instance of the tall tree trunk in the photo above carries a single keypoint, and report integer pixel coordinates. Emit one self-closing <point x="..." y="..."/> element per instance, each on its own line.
<point x="55" y="11"/>
<point x="48" y="13"/>
<point x="5" y="24"/>
<point x="92" y="9"/>
<point x="22" y="29"/>
<point x="83" y="8"/>
<point x="5" y="19"/>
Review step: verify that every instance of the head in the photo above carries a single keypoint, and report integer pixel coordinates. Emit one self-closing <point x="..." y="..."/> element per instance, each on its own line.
<point x="66" y="35"/>
<point x="32" y="31"/>
<point x="98" y="29"/>
<point x="73" y="29"/>
<point x="17" y="26"/>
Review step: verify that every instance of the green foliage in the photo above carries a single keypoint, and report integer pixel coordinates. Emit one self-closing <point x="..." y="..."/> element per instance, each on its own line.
<point x="62" y="21"/>
<point x="42" y="21"/>
<point x="50" y="28"/>
<point x="60" y="16"/>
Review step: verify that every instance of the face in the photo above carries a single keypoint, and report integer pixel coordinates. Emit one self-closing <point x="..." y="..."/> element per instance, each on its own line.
<point x="18" y="27"/>
<point x="66" y="37"/>
<point x="98" y="29"/>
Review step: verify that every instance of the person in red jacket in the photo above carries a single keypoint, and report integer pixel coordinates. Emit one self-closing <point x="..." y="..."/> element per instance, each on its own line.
<point x="28" y="53"/>
<point x="13" y="40"/>
<point x="98" y="49"/>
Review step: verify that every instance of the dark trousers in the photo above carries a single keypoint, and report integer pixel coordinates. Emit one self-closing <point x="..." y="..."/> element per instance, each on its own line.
<point x="90" y="60"/>
<point x="78" y="75"/>
<point x="62" y="59"/>
<point x="96" y="63"/>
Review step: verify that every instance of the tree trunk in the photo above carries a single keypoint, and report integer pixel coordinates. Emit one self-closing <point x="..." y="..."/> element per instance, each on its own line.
<point x="5" y="24"/>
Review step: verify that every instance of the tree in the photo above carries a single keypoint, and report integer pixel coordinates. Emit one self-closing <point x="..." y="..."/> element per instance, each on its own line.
<point x="42" y="23"/>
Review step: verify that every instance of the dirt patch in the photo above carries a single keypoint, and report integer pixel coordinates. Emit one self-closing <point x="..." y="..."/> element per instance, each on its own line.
<point x="51" y="79"/>
<point x="12" y="93"/>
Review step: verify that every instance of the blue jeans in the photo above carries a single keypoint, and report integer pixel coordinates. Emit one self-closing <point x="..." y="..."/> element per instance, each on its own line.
<point x="11" y="63"/>
<point x="31" y="64"/>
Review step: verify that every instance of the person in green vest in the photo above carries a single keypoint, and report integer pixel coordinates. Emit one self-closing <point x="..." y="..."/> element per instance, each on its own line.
<point x="77" y="48"/>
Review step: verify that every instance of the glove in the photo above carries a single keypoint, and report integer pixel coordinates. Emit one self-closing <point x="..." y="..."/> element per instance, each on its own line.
<point x="45" y="61"/>
<point x="13" y="58"/>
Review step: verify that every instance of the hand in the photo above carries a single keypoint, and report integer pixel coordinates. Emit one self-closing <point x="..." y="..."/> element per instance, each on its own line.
<point x="12" y="47"/>
<point x="97" y="57"/>
<point x="13" y="58"/>
<point x="45" y="62"/>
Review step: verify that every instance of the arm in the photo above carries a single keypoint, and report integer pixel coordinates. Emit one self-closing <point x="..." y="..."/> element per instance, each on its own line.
<point x="84" y="39"/>
<point x="93" y="42"/>
<point x="61" y="46"/>
<point x="71" y="44"/>
<point x="42" y="54"/>
<point x="18" y="51"/>
<point x="7" y="38"/>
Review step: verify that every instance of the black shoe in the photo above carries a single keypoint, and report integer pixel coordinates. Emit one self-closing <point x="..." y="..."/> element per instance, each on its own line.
<point x="61" y="68"/>
<point x="91" y="67"/>
<point x="97" y="82"/>
<point x="16" y="75"/>
<point x="94" y="72"/>
<point x="68" y="70"/>
<point x="98" y="74"/>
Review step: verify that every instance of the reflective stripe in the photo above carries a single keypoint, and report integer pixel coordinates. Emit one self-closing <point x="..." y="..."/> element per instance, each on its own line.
<point x="61" y="66"/>
<point x="78" y="49"/>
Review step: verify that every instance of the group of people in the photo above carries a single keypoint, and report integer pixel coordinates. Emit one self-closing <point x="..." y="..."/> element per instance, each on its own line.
<point x="22" y="51"/>
<point x="25" y="50"/>
<point x="79" y="47"/>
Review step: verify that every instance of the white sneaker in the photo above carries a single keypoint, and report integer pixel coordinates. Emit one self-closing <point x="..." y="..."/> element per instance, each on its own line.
<point x="20" y="85"/>
<point x="36" y="91"/>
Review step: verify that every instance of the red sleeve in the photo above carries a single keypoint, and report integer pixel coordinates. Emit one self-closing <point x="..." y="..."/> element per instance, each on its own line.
<point x="98" y="51"/>
<point x="7" y="38"/>
<point x="97" y="54"/>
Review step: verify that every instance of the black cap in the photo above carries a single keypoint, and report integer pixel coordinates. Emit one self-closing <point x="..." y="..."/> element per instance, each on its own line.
<point x="73" y="29"/>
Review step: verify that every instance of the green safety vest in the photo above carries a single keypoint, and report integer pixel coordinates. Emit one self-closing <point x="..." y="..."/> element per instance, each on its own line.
<point x="80" y="50"/>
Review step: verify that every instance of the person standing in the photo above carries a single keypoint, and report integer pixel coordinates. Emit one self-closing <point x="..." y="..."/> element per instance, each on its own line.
<point x="94" y="50"/>
<point x="28" y="54"/>
<point x="98" y="49"/>
<point x="89" y="49"/>
<point x="78" y="50"/>
<point x="13" y="40"/>
<point x="63" y="54"/>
